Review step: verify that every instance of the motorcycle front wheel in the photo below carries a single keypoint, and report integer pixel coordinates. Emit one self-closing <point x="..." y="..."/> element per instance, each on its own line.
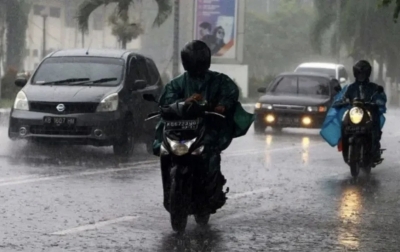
<point x="177" y="208"/>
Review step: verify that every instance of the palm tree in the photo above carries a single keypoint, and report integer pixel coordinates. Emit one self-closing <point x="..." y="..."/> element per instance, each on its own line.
<point x="124" y="30"/>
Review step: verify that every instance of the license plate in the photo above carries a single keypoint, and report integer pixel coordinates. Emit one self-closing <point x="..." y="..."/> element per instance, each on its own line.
<point x="288" y="121"/>
<point x="181" y="125"/>
<point x="355" y="129"/>
<point x="59" y="121"/>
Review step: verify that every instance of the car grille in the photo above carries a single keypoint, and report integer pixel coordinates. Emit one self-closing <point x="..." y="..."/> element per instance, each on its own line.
<point x="49" y="130"/>
<point x="70" y="108"/>
<point x="289" y="107"/>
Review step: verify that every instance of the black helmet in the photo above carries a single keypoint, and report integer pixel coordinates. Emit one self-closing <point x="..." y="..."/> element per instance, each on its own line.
<point x="362" y="70"/>
<point x="196" y="58"/>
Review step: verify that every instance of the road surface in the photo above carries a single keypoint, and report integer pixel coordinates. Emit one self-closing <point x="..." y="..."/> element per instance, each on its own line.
<point x="288" y="192"/>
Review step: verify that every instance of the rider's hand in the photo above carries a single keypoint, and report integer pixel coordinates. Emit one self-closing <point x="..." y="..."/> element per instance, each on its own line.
<point x="219" y="109"/>
<point x="195" y="97"/>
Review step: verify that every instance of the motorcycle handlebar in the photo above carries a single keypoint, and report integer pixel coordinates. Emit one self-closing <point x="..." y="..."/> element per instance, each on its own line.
<point x="153" y="116"/>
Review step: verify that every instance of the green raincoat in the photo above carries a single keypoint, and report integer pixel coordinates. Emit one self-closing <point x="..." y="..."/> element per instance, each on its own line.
<point x="218" y="90"/>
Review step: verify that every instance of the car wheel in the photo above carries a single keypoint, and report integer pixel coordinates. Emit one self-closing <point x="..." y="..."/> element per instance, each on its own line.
<point x="259" y="128"/>
<point x="125" y="145"/>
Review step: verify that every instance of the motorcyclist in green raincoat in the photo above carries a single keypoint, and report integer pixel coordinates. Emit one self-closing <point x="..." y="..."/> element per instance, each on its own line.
<point x="221" y="94"/>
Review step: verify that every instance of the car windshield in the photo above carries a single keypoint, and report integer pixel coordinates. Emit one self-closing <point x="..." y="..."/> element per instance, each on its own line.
<point x="79" y="68"/>
<point x="330" y="72"/>
<point x="302" y="85"/>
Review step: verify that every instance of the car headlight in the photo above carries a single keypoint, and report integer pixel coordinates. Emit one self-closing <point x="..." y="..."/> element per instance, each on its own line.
<point x="356" y="115"/>
<point x="261" y="105"/>
<point x="21" y="101"/>
<point x="180" y="148"/>
<point x="316" y="109"/>
<point x="108" y="104"/>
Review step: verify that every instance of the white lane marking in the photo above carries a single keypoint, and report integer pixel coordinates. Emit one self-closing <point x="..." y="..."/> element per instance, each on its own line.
<point x="72" y="175"/>
<point x="138" y="165"/>
<point x="253" y="192"/>
<point x="18" y="178"/>
<point x="95" y="225"/>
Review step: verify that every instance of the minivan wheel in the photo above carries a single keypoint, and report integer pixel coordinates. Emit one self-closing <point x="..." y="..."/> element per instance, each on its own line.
<point x="125" y="145"/>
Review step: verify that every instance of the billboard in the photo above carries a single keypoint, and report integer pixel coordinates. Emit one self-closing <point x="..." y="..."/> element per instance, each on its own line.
<point x="216" y="25"/>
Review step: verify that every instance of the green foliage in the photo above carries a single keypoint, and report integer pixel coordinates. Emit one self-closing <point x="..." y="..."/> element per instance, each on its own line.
<point x="366" y="31"/>
<point x="8" y="88"/>
<point x="396" y="4"/>
<point x="123" y="30"/>
<point x="280" y="41"/>
<point x="120" y="20"/>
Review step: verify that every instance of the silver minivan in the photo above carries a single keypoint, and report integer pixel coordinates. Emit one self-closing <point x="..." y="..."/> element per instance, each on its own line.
<point x="336" y="71"/>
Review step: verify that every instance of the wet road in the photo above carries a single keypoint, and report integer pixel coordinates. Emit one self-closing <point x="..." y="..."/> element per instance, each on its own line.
<point x="288" y="192"/>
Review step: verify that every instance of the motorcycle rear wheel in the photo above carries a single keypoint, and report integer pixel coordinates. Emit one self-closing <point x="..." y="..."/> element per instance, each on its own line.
<point x="354" y="169"/>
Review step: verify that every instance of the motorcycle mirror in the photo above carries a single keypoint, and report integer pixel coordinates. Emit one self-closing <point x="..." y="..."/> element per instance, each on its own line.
<point x="149" y="97"/>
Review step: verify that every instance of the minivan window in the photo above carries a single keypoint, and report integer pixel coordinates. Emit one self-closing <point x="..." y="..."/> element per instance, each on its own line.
<point x="330" y="72"/>
<point x="92" y="68"/>
<point x="303" y="85"/>
<point x="154" y="75"/>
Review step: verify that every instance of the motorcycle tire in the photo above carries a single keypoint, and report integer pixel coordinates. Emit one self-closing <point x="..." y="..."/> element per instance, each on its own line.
<point x="354" y="169"/>
<point x="202" y="220"/>
<point x="367" y="169"/>
<point x="177" y="209"/>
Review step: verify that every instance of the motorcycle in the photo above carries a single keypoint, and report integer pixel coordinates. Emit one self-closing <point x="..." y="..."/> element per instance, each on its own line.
<point x="357" y="130"/>
<point x="181" y="161"/>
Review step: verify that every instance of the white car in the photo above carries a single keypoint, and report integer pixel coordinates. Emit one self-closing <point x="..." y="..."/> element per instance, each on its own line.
<point x="336" y="71"/>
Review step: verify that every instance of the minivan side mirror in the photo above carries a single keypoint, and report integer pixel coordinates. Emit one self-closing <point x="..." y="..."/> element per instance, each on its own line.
<point x="342" y="80"/>
<point x="262" y="90"/>
<point x="21" y="81"/>
<point x="149" y="97"/>
<point x="139" y="84"/>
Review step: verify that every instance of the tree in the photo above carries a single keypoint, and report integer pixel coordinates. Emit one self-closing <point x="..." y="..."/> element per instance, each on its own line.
<point x="396" y="4"/>
<point x="123" y="30"/>
<point x="120" y="19"/>
<point x="366" y="31"/>
<point x="276" y="42"/>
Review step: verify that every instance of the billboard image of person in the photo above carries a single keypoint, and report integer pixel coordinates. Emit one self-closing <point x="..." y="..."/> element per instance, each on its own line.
<point x="216" y="26"/>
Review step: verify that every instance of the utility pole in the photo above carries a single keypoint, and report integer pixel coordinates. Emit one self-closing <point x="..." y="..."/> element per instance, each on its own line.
<point x="338" y="16"/>
<point x="44" y="16"/>
<point x="83" y="39"/>
<point x="175" y="56"/>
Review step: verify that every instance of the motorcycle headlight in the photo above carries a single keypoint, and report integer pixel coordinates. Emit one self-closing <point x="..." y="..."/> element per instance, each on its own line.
<point x="108" y="104"/>
<point x="356" y="115"/>
<point x="21" y="101"/>
<point x="180" y="148"/>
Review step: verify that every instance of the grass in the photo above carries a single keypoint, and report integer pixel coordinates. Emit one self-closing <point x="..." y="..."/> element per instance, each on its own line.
<point x="6" y="103"/>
